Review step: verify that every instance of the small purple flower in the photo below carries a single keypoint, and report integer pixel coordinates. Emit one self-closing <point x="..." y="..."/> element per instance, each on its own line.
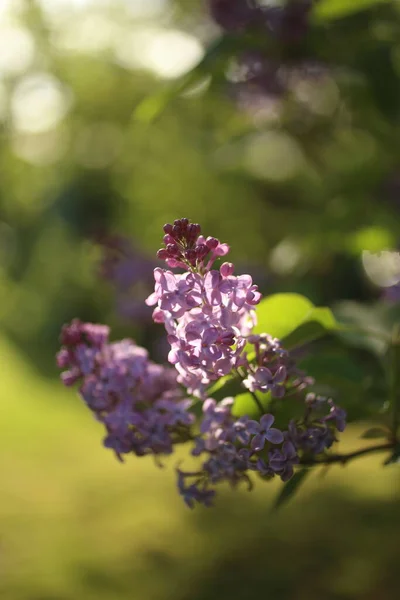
<point x="314" y="439"/>
<point x="264" y="380"/>
<point x="266" y="433"/>
<point x="264" y="469"/>
<point x="215" y="415"/>
<point x="192" y="493"/>
<point x="282" y="461"/>
<point x="338" y="415"/>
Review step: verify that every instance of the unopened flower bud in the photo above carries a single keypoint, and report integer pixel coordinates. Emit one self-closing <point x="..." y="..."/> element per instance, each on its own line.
<point x="212" y="242"/>
<point x="167" y="228"/>
<point x="227" y="269"/>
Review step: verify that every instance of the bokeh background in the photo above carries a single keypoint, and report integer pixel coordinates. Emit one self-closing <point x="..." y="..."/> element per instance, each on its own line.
<point x="102" y="142"/>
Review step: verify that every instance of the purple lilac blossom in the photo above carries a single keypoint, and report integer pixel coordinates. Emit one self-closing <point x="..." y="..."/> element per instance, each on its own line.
<point x="266" y="433"/>
<point x="282" y="461"/>
<point x="316" y="433"/>
<point x="274" y="370"/>
<point x="207" y="313"/>
<point x="225" y="441"/>
<point x="138" y="402"/>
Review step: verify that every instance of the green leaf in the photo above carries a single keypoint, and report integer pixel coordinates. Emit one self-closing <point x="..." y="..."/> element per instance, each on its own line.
<point x="319" y="322"/>
<point x="290" y="488"/>
<point x="245" y="405"/>
<point x="394" y="458"/>
<point x="336" y="9"/>
<point x="293" y="318"/>
<point x="280" y="314"/>
<point x="374" y="433"/>
<point x="219" y="384"/>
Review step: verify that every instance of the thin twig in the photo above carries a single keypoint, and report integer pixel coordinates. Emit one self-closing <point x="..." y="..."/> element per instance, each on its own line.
<point x="259" y="405"/>
<point x="345" y="458"/>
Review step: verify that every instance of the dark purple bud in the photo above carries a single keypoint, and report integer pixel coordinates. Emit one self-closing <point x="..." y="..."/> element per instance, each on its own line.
<point x="212" y="243"/>
<point x="201" y="251"/>
<point x="168" y="239"/>
<point x="163" y="254"/>
<point x="173" y="250"/>
<point x="176" y="232"/>
<point x="167" y="228"/>
<point x="71" y="334"/>
<point x="193" y="232"/>
<point x="191" y="256"/>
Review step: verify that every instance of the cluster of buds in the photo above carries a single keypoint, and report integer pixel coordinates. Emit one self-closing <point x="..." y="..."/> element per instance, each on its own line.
<point x="146" y="408"/>
<point x="186" y="248"/>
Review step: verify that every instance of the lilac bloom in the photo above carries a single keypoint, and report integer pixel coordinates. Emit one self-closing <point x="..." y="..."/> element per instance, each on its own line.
<point x="192" y="494"/>
<point x="338" y="415"/>
<point x="282" y="461"/>
<point x="263" y="468"/>
<point x="264" y="380"/>
<point x="266" y="433"/>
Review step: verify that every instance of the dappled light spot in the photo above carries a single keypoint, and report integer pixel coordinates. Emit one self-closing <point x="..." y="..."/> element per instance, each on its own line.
<point x="168" y="53"/>
<point x="39" y="102"/>
<point x="273" y="155"/>
<point x="17" y="49"/>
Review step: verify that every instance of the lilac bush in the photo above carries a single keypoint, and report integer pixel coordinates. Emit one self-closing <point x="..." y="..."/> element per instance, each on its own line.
<point x="210" y="320"/>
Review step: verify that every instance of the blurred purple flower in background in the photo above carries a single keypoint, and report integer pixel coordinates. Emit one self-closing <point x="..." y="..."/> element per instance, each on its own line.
<point x="130" y="272"/>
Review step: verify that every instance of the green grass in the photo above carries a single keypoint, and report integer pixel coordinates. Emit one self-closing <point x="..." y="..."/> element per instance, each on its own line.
<point x="74" y="523"/>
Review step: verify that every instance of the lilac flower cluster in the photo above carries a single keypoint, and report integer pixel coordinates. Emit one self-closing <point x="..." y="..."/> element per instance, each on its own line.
<point x="206" y="312"/>
<point x="315" y="434"/>
<point x="138" y="402"/>
<point x="209" y="314"/>
<point x="231" y="446"/>
<point x="273" y="369"/>
<point x="235" y="448"/>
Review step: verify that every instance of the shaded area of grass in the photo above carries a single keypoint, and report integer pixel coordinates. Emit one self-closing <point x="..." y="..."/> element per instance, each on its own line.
<point x="76" y="524"/>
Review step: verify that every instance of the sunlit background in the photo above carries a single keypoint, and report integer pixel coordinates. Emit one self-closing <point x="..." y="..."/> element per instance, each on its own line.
<point x="100" y="137"/>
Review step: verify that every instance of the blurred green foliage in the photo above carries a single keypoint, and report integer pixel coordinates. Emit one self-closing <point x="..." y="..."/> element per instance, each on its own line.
<point x="100" y="133"/>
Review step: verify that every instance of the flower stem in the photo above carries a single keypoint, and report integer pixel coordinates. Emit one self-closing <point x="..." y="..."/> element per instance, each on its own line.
<point x="257" y="401"/>
<point x="345" y="458"/>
